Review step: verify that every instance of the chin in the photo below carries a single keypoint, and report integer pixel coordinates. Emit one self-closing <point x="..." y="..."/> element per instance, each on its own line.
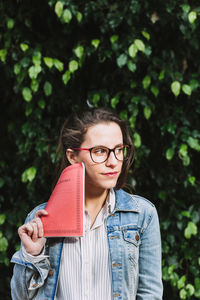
<point x="109" y="185"/>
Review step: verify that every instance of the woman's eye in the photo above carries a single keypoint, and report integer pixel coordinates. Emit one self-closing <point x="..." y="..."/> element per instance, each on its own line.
<point x="99" y="151"/>
<point x="119" y="150"/>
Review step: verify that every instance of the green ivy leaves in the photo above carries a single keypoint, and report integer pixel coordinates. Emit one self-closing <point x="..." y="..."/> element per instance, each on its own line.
<point x="65" y="15"/>
<point x="190" y="230"/>
<point x="176" y="88"/>
<point x="29" y="174"/>
<point x="27" y="94"/>
<point x="192" y="16"/>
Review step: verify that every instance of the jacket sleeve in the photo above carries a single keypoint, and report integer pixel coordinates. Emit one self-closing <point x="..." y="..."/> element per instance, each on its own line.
<point x="150" y="275"/>
<point x="28" y="276"/>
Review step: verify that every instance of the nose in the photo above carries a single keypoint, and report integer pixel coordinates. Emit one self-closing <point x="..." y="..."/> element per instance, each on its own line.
<point x="111" y="161"/>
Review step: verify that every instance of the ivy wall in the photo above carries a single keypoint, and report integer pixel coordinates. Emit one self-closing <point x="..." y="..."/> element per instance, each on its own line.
<point x="138" y="57"/>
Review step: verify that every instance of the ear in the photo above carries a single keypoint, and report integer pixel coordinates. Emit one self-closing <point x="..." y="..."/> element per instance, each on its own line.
<point x="72" y="156"/>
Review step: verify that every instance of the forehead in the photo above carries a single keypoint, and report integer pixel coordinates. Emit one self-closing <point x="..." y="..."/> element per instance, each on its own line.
<point x="105" y="134"/>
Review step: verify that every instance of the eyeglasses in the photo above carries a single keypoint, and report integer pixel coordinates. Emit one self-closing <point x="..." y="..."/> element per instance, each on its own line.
<point x="100" y="154"/>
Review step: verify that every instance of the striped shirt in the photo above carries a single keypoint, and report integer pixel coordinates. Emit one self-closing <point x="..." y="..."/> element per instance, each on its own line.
<point x="85" y="272"/>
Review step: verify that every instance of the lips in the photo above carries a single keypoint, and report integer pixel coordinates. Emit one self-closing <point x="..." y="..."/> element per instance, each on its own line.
<point x="110" y="174"/>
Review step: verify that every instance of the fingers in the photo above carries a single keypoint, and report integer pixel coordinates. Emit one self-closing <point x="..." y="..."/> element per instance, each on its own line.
<point x="41" y="212"/>
<point x="32" y="229"/>
<point x="38" y="228"/>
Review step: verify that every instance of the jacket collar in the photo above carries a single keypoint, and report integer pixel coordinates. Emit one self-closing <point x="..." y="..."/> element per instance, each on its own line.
<point x="125" y="202"/>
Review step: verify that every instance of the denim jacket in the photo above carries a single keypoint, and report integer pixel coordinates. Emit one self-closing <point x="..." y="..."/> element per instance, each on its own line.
<point x="135" y="256"/>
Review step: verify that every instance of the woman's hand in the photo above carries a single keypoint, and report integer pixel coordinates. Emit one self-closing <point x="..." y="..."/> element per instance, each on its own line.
<point x="31" y="234"/>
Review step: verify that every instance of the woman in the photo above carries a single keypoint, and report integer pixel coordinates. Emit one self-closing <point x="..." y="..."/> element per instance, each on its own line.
<point x="119" y="256"/>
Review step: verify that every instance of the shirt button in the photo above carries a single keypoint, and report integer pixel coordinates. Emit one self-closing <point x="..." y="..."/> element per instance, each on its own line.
<point x="51" y="272"/>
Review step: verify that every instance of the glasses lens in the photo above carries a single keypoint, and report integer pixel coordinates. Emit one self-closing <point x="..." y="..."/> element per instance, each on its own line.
<point x="99" y="154"/>
<point x="121" y="152"/>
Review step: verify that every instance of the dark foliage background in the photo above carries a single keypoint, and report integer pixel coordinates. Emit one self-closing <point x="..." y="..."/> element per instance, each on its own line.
<point x="139" y="57"/>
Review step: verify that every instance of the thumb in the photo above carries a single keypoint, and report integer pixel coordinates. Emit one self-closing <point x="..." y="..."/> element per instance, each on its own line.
<point x="41" y="212"/>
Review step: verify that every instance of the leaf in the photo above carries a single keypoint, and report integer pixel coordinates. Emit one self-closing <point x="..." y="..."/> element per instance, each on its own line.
<point x="95" y="43"/>
<point x="137" y="140"/>
<point x="114" y="101"/>
<point x="59" y="8"/>
<point x="25" y="62"/>
<point x="28" y="111"/>
<point x="124" y="115"/>
<point x="33" y="71"/>
<point x="3" y="244"/>
<point x="79" y="16"/>
<point x="48" y="62"/>
<point x="169" y="153"/>
<point x="3" y="53"/>
<point x="192" y="16"/>
<point x="10" y="23"/>
<point x="2" y="218"/>
<point x="186" y="160"/>
<point x="27" y="94"/>
<point x="197" y="283"/>
<point x="186" y="89"/>
<point x="192" y="179"/>
<point x="147" y="112"/>
<point x="146" y="35"/>
<point x="73" y="66"/>
<point x="155" y="91"/>
<point x="79" y="50"/>
<point x="58" y="64"/>
<point x="186" y="213"/>
<point x="176" y="87"/>
<point x="193" y="143"/>
<point x="67" y="16"/>
<point x="185" y="8"/>
<point x="95" y="99"/>
<point x="133" y="85"/>
<point x="47" y="88"/>
<point x="146" y="82"/>
<point x="114" y="38"/>
<point x="29" y="174"/>
<point x="194" y="84"/>
<point x="183" y="294"/>
<point x="66" y="77"/>
<point x="190" y="230"/>
<point x="41" y="104"/>
<point x="190" y="289"/>
<point x="132" y="50"/>
<point x="121" y="60"/>
<point x="36" y="58"/>
<point x="34" y="85"/>
<point x="132" y="120"/>
<point x="24" y="47"/>
<point x="131" y="66"/>
<point x="17" y="69"/>
<point x="140" y="45"/>
<point x="183" y="150"/>
<point x="161" y="75"/>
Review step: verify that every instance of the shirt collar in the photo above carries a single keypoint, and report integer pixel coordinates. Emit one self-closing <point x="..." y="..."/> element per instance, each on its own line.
<point x="106" y="209"/>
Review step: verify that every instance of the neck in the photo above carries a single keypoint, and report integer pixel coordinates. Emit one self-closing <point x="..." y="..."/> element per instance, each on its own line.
<point x="94" y="199"/>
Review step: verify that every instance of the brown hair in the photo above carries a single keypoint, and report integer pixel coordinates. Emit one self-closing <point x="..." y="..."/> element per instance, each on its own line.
<point x="73" y="133"/>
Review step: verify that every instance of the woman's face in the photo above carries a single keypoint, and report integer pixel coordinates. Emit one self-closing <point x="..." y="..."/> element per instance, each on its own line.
<point x="101" y="176"/>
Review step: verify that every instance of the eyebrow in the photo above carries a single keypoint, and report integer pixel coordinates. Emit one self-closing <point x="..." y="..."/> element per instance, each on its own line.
<point x="118" y="145"/>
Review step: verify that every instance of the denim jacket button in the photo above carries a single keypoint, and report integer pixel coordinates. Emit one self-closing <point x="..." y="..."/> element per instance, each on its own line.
<point x="137" y="237"/>
<point x="34" y="285"/>
<point x="50" y="272"/>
